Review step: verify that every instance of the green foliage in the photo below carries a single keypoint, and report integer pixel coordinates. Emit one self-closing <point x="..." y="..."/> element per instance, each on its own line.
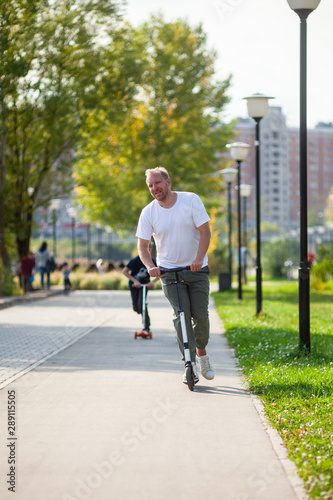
<point x="325" y="253"/>
<point x="322" y="271"/>
<point x="297" y="390"/>
<point x="173" y="121"/>
<point x="219" y="259"/>
<point x="275" y="253"/>
<point x="55" y="71"/>
<point x="7" y="284"/>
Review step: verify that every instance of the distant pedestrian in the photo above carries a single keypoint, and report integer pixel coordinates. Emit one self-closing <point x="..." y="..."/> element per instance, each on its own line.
<point x="42" y="263"/>
<point x="311" y="258"/>
<point x="66" y="271"/>
<point x="27" y="265"/>
<point x="99" y="266"/>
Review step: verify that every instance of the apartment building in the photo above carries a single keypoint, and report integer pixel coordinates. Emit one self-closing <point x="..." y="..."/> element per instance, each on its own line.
<point x="279" y="168"/>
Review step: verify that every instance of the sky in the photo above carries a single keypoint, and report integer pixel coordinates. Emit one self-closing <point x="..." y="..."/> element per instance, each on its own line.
<point x="257" y="41"/>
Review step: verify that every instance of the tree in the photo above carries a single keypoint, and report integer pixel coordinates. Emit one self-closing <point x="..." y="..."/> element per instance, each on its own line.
<point x="17" y="18"/>
<point x="175" y="121"/>
<point x="276" y="252"/>
<point x="68" y="72"/>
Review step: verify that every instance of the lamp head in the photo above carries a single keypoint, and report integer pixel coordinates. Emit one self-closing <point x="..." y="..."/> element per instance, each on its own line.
<point x="238" y="150"/>
<point x="72" y="212"/>
<point x="257" y="105"/>
<point x="245" y="190"/>
<point x="229" y="175"/>
<point x="303" y="4"/>
<point x="55" y="203"/>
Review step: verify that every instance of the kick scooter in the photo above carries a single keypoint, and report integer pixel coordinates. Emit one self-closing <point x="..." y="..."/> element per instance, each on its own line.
<point x="143" y="333"/>
<point x="188" y="365"/>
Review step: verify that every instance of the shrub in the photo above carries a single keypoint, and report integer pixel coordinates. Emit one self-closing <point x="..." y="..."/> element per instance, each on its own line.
<point x="323" y="270"/>
<point x="8" y="284"/>
<point x="218" y="259"/>
<point x="276" y="253"/>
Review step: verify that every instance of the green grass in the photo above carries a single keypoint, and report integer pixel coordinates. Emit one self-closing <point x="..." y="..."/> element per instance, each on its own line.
<point x="296" y="390"/>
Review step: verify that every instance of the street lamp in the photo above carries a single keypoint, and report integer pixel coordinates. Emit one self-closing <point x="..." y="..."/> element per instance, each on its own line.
<point x="303" y="8"/>
<point x="238" y="152"/>
<point x="88" y="244"/>
<point x="109" y="231"/>
<point x="54" y="206"/>
<point x="257" y="106"/>
<point x="73" y="214"/>
<point x="245" y="192"/>
<point x="100" y="231"/>
<point x="230" y="176"/>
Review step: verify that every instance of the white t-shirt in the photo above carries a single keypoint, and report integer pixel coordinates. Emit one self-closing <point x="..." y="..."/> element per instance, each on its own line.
<point x="174" y="229"/>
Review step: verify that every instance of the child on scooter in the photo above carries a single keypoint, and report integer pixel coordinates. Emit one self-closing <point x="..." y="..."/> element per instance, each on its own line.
<point x="138" y="275"/>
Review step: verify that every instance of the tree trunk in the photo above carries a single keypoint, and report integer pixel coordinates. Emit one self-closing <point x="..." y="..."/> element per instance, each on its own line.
<point x="3" y="250"/>
<point x="23" y="244"/>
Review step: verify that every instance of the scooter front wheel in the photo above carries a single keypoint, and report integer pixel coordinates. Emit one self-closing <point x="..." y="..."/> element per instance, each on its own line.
<point x="189" y="377"/>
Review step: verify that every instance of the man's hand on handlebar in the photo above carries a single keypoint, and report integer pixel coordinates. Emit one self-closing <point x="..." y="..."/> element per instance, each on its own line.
<point x="154" y="272"/>
<point x="196" y="265"/>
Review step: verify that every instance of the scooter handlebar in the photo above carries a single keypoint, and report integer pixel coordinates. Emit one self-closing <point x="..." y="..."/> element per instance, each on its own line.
<point x="175" y="269"/>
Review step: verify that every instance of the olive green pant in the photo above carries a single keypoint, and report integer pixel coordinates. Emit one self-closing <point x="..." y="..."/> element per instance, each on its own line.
<point x="195" y="298"/>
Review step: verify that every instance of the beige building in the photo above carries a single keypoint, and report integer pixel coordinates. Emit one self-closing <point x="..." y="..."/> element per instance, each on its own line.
<point x="279" y="168"/>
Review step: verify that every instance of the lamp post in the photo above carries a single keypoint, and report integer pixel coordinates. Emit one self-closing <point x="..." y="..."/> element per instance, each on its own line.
<point x="230" y="176"/>
<point x="238" y="152"/>
<point x="245" y="192"/>
<point x="257" y="106"/>
<point x="88" y="244"/>
<point x="72" y="213"/>
<point x="54" y="206"/>
<point x="303" y="8"/>
<point x="109" y="249"/>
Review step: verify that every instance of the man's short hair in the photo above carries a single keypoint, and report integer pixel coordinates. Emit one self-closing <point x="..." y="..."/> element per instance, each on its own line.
<point x="156" y="170"/>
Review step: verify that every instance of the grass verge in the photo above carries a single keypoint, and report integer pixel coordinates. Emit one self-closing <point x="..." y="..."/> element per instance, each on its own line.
<point x="296" y="390"/>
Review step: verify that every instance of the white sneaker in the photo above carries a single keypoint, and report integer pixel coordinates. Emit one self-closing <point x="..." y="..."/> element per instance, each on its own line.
<point x="195" y="372"/>
<point x="205" y="367"/>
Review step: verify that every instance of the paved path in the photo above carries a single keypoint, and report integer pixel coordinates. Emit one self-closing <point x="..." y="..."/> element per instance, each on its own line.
<point x="109" y="418"/>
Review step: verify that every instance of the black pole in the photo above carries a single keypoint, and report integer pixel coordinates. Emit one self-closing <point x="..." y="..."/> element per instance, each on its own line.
<point x="258" y="263"/>
<point x="239" y="233"/>
<point x="230" y="230"/>
<point x="73" y="240"/>
<point x="304" y="271"/>
<point x="88" y="244"/>
<point x="54" y="220"/>
<point x="244" y="238"/>
<point x="100" y="242"/>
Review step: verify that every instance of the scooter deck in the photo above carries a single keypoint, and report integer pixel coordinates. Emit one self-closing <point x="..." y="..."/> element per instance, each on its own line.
<point x="143" y="334"/>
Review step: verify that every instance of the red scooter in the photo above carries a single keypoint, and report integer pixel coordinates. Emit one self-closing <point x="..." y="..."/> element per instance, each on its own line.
<point x="144" y="333"/>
